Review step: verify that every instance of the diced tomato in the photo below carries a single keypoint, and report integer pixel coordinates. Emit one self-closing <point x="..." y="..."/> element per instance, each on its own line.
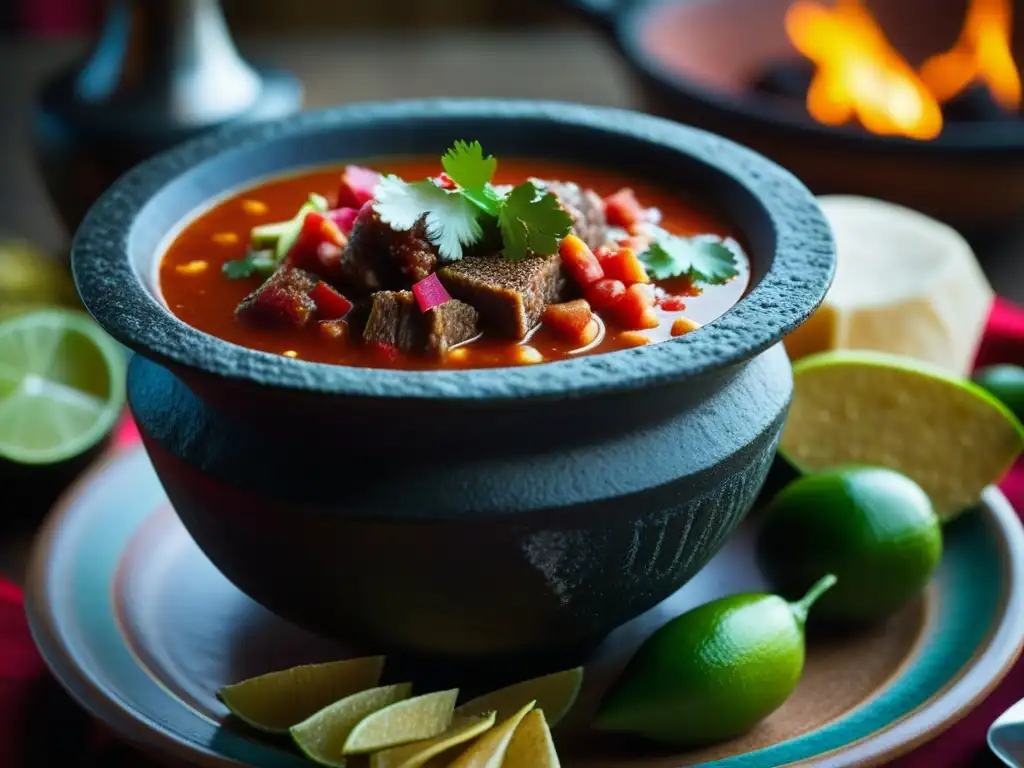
<point x="579" y="261"/>
<point x="387" y="351"/>
<point x="344" y="218"/>
<point x="590" y="333"/>
<point x="569" y="319"/>
<point x="316" y="231"/>
<point x="444" y="181"/>
<point x="672" y="303"/>
<point x="330" y="305"/>
<point x="635" y="310"/>
<point x="603" y="253"/>
<point x="622" y="209"/>
<point x="625" y="266"/>
<point x="317" y="228"/>
<point x="604" y="293"/>
<point x="357" y="186"/>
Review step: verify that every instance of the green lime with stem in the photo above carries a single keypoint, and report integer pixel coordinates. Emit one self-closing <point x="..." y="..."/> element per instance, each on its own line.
<point x="875" y="528"/>
<point x="713" y="672"/>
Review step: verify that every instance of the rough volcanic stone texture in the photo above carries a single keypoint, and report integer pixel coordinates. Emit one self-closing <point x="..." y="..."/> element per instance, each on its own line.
<point x="115" y="249"/>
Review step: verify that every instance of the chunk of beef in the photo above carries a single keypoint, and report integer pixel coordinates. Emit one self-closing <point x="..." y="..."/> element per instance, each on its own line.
<point x="395" y="319"/>
<point x="283" y="300"/>
<point x="586" y="208"/>
<point x="358" y="315"/>
<point x="510" y="295"/>
<point x="377" y="257"/>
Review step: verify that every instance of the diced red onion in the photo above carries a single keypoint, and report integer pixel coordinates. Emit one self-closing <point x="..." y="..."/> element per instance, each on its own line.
<point x="430" y="293"/>
<point x="357" y="186"/>
<point x="344" y="218"/>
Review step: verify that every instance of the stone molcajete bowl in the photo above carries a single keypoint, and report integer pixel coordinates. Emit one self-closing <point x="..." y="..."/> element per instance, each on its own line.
<point x="460" y="514"/>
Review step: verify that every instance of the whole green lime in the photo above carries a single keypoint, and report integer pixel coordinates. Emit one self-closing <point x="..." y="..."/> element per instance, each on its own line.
<point x="874" y="528"/>
<point x="713" y="672"/>
<point x="1006" y="384"/>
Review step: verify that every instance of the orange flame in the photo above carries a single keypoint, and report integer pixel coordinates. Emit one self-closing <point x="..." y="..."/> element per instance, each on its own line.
<point x="860" y="75"/>
<point x="981" y="54"/>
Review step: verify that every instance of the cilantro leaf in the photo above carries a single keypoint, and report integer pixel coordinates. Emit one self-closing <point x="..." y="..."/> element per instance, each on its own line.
<point x="253" y="263"/>
<point x="452" y="221"/>
<point x="466" y="165"/>
<point x="701" y="259"/>
<point x="238" y="269"/>
<point x="531" y="221"/>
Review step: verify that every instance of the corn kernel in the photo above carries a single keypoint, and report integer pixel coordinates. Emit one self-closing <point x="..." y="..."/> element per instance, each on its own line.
<point x="254" y="207"/>
<point x="634" y="339"/>
<point x="683" y="325"/>
<point x="290" y="353"/>
<point x="458" y="355"/>
<point x="527" y="355"/>
<point x="333" y="329"/>
<point x="225" y="238"/>
<point x="191" y="268"/>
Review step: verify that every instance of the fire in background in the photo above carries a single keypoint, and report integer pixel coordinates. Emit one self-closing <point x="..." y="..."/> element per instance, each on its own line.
<point x="860" y="77"/>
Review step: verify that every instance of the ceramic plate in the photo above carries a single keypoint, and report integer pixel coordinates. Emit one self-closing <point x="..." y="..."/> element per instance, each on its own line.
<point x="141" y="628"/>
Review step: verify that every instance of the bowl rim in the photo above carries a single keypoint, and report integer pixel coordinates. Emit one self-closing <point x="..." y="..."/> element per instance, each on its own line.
<point x="627" y="24"/>
<point x="789" y="291"/>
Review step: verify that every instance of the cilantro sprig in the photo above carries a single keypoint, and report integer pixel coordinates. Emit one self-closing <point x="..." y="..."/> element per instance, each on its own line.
<point x="452" y="221"/>
<point x="260" y="263"/>
<point x="467" y="166"/>
<point x="529" y="220"/>
<point x="702" y="259"/>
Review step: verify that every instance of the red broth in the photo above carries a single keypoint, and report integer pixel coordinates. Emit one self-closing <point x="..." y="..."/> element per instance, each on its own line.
<point x="205" y="298"/>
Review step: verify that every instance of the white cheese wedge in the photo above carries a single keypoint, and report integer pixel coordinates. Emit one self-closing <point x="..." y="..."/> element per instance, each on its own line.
<point x="905" y="284"/>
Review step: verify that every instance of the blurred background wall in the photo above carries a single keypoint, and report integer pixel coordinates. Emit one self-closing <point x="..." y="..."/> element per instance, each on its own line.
<point x="299" y="16"/>
<point x="309" y="15"/>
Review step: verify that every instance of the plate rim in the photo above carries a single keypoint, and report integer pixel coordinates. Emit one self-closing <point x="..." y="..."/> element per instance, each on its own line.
<point x="927" y="721"/>
<point x="991" y="662"/>
<point x="102" y="703"/>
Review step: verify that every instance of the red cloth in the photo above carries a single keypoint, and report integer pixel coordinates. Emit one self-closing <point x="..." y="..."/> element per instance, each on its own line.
<point x="961" y="745"/>
<point x="60" y="17"/>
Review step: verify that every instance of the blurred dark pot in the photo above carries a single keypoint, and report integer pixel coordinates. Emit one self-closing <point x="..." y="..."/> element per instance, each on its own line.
<point x="696" y="61"/>
<point x="465" y="514"/>
<point x="161" y="72"/>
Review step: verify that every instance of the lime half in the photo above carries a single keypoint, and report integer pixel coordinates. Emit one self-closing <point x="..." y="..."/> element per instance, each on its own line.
<point x="62" y="385"/>
<point x="872" y="409"/>
<point x="30" y="280"/>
